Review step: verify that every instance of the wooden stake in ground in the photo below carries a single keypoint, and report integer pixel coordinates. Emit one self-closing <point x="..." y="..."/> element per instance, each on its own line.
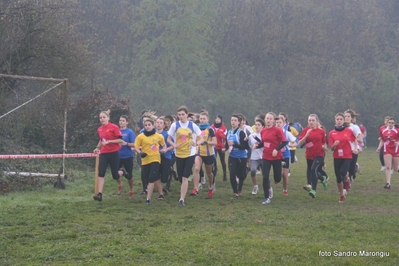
<point x="96" y="175"/>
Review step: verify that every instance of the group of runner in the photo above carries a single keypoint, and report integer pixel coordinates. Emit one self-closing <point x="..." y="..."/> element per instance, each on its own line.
<point x="192" y="141"/>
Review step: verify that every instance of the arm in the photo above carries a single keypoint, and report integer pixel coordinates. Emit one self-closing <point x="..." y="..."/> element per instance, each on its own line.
<point x="242" y="145"/>
<point x="198" y="139"/>
<point x="302" y="141"/>
<point x="335" y="144"/>
<point x="97" y="149"/>
<point x="171" y="143"/>
<point x="213" y="140"/>
<point x="118" y="140"/>
<point x="282" y="145"/>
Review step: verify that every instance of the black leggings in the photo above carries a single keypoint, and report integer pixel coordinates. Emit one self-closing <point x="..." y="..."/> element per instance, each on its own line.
<point x="292" y="154"/>
<point x="266" y="166"/>
<point x="112" y="159"/>
<point x="127" y="163"/>
<point x="144" y="178"/>
<point x="341" y="168"/>
<point x="164" y="169"/>
<point x="222" y="160"/>
<point x="171" y="170"/>
<point x="313" y="171"/>
<point x="237" y="168"/>
<point x="352" y="167"/>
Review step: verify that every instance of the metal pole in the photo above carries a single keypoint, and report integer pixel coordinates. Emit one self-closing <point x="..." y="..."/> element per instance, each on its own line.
<point x="65" y="123"/>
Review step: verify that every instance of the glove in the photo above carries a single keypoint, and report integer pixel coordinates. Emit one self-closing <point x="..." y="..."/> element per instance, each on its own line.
<point x="143" y="155"/>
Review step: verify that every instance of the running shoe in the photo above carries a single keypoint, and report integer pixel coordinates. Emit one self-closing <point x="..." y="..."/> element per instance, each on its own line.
<point x="161" y="197"/>
<point x="120" y="187"/>
<point x="235" y="196"/>
<point x="341" y="199"/>
<point x="270" y="193"/>
<point x="210" y="193"/>
<point x="345" y="192"/>
<point x="325" y="182"/>
<point x="387" y="186"/>
<point x="199" y="186"/>
<point x="255" y="190"/>
<point x="148" y="201"/>
<point x="131" y="195"/>
<point x="285" y="192"/>
<point x="239" y="193"/>
<point x="258" y="172"/>
<point x="98" y="197"/>
<point x="382" y="169"/>
<point x="194" y="192"/>
<point x="307" y="187"/>
<point x="312" y="193"/>
<point x="181" y="203"/>
<point x="266" y="201"/>
<point x="144" y="192"/>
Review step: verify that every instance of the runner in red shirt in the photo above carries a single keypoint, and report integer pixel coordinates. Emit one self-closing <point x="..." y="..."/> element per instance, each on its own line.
<point x="272" y="141"/>
<point x="389" y="141"/>
<point x="109" y="144"/>
<point x="339" y="140"/>
<point x="221" y="132"/>
<point x="314" y="139"/>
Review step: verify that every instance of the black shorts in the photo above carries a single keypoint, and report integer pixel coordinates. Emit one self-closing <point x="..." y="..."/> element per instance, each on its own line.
<point x="208" y="160"/>
<point x="151" y="171"/>
<point x="184" y="167"/>
<point x="287" y="162"/>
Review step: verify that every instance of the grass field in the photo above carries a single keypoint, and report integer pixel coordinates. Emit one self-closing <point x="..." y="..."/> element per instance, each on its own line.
<point x="67" y="227"/>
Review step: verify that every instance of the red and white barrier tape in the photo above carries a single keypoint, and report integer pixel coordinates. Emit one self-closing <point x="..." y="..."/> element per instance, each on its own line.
<point x="47" y="156"/>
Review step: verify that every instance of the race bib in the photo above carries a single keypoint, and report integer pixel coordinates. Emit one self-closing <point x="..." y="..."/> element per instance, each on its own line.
<point x="153" y="147"/>
<point x="340" y="152"/>
<point x="309" y="145"/>
<point x="266" y="144"/>
<point x="183" y="138"/>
